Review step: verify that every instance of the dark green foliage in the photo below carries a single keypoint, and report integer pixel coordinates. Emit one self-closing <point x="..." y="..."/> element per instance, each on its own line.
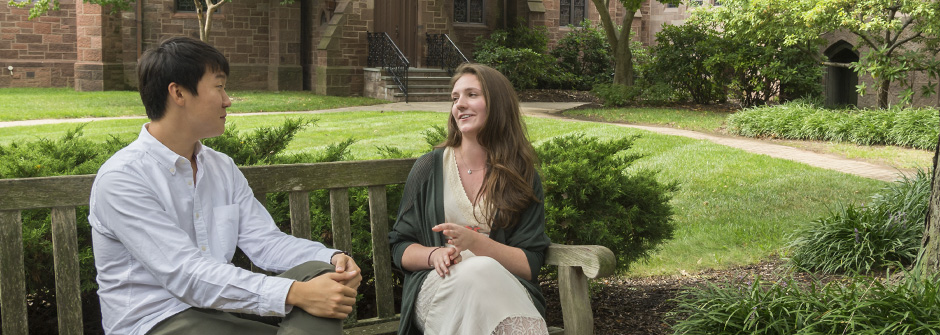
<point x="70" y="155"/>
<point x="589" y="199"/>
<point x="859" y="306"/>
<point x="259" y="147"/>
<point x="435" y="136"/>
<point x="520" y="54"/>
<point x="887" y="232"/>
<point x="684" y="59"/>
<point x="616" y="95"/>
<point x="714" y="65"/>
<point x="585" y="53"/>
<point x="804" y="120"/>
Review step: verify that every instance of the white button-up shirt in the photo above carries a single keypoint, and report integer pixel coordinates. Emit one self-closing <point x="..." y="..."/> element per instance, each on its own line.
<point x="163" y="245"/>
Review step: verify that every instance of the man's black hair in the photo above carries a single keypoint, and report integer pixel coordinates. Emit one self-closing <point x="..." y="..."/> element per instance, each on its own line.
<point x="182" y="60"/>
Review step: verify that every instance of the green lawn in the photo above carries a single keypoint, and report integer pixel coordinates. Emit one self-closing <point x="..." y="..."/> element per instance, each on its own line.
<point x="732" y="207"/>
<point x="713" y="122"/>
<point x="54" y="103"/>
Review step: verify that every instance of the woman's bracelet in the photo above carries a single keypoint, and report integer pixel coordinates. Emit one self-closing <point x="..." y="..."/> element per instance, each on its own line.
<point x="429" y="256"/>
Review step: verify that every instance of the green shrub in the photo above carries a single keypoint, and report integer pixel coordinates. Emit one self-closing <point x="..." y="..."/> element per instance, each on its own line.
<point x="585" y="53"/>
<point x="523" y="67"/>
<point x="520" y="54"/>
<point x="861" y="239"/>
<point x="615" y="95"/>
<point x="589" y="199"/>
<point x="805" y="120"/>
<point x="683" y="58"/>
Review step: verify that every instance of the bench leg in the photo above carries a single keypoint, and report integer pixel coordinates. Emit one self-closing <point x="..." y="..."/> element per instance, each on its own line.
<point x="575" y="301"/>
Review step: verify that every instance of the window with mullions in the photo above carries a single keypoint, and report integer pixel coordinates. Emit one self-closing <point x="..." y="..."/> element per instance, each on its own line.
<point x="190" y="6"/>
<point x="468" y="11"/>
<point x="572" y="12"/>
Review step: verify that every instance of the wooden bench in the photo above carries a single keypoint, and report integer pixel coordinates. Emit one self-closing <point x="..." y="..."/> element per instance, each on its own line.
<point x="62" y="194"/>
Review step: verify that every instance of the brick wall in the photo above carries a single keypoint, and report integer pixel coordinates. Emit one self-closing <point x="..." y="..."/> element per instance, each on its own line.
<point x="41" y="51"/>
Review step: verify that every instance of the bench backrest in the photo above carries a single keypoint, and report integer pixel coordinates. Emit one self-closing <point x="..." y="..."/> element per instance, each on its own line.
<point x="64" y="194"/>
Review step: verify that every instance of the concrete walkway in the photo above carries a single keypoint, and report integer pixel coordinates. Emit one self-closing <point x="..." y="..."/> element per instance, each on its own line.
<point x="553" y="110"/>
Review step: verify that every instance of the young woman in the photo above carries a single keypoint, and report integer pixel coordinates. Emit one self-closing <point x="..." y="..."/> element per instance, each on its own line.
<point x="470" y="234"/>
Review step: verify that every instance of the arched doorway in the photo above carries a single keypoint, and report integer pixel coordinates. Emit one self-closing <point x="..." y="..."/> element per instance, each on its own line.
<point x="841" y="81"/>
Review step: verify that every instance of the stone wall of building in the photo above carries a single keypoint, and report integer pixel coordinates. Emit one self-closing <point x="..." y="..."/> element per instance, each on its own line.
<point x="41" y="51"/>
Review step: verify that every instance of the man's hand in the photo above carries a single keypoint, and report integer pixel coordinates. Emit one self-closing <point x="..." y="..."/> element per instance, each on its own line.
<point x="346" y="265"/>
<point x="325" y="295"/>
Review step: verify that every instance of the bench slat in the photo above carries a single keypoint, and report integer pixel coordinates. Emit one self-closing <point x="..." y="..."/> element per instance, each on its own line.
<point x="12" y="282"/>
<point x="65" y="253"/>
<point x="381" y="254"/>
<point x="339" y="215"/>
<point x="63" y="191"/>
<point x="300" y="214"/>
<point x="296" y="177"/>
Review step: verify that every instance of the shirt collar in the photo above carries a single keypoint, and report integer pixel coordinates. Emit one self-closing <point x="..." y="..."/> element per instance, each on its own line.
<point x="169" y="160"/>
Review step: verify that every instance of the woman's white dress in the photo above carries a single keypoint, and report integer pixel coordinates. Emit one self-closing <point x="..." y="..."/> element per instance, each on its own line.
<point x="479" y="296"/>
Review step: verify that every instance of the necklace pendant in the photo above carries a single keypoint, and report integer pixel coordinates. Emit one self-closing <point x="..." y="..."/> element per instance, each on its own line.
<point x="469" y="171"/>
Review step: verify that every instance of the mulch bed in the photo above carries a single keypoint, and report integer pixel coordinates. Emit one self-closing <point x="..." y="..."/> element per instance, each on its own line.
<point x="639" y="305"/>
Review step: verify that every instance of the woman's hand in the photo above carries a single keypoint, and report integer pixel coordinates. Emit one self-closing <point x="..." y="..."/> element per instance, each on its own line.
<point x="440" y="259"/>
<point x="459" y="236"/>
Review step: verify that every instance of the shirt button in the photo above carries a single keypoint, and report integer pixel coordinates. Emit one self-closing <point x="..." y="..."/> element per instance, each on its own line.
<point x="203" y="248"/>
<point x="172" y="170"/>
<point x="197" y="215"/>
<point x="190" y="183"/>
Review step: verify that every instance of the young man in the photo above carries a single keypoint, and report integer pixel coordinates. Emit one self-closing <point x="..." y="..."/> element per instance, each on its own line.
<point x="168" y="212"/>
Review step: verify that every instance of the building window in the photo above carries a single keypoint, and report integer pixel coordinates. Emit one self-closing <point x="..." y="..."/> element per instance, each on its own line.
<point x="190" y="6"/>
<point x="572" y="12"/>
<point x="669" y="5"/>
<point x="468" y="11"/>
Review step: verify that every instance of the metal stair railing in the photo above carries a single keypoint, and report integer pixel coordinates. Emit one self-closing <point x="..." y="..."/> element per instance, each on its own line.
<point x="385" y="54"/>
<point x="444" y="53"/>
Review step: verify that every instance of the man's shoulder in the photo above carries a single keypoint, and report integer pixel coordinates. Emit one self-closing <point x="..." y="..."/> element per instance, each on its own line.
<point x="129" y="155"/>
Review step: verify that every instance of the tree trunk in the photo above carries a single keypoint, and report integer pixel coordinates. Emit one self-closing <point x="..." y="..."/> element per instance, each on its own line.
<point x="623" y="56"/>
<point x="883" y="94"/>
<point x="928" y="260"/>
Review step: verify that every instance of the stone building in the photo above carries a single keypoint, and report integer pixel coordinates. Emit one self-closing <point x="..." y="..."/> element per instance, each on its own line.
<point x="317" y="45"/>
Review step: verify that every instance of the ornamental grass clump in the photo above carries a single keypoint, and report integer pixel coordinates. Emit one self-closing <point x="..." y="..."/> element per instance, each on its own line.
<point x="865" y="238"/>
<point x="859" y="305"/>
<point x="805" y="120"/>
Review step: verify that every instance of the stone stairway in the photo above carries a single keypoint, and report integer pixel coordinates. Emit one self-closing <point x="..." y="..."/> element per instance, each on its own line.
<point x="424" y="84"/>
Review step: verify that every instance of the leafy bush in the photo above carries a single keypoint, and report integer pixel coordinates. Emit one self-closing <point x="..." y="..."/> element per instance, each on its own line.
<point x="615" y="95"/>
<point x="861" y="239"/>
<point x="585" y="53"/>
<point x="801" y="119"/>
<point x="520" y="54"/>
<point x="859" y="306"/>
<point x="684" y="59"/>
<point x="589" y="199"/>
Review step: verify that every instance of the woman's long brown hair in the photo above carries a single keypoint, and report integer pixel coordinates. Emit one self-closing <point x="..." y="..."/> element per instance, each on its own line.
<point x="507" y="185"/>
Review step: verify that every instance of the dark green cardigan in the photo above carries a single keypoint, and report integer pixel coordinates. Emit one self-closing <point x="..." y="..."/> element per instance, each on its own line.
<point x="422" y="207"/>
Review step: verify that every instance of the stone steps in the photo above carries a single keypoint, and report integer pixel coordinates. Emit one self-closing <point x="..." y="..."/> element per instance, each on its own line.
<point x="424" y="84"/>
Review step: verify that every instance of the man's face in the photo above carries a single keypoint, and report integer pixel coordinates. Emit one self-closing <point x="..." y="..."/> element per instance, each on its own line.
<point x="206" y="111"/>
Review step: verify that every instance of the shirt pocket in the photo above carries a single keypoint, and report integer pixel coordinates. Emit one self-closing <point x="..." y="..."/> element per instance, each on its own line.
<point x="225" y="223"/>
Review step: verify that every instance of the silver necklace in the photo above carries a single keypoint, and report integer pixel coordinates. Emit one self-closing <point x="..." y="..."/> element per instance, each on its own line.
<point x="469" y="170"/>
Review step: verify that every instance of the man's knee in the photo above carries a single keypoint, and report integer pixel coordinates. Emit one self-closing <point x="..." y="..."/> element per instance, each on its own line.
<point x="308" y="270"/>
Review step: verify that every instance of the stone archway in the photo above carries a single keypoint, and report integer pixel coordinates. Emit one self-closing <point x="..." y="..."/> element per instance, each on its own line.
<point x="841" y="81"/>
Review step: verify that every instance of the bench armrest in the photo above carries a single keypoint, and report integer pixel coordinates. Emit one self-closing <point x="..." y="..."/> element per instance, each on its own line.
<point x="577" y="263"/>
<point x="595" y="260"/>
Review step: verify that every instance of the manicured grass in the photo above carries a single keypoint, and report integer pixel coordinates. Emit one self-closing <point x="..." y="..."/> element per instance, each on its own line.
<point x="54" y="103"/>
<point x="714" y="123"/>
<point x="698" y="120"/>
<point x="731" y="208"/>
